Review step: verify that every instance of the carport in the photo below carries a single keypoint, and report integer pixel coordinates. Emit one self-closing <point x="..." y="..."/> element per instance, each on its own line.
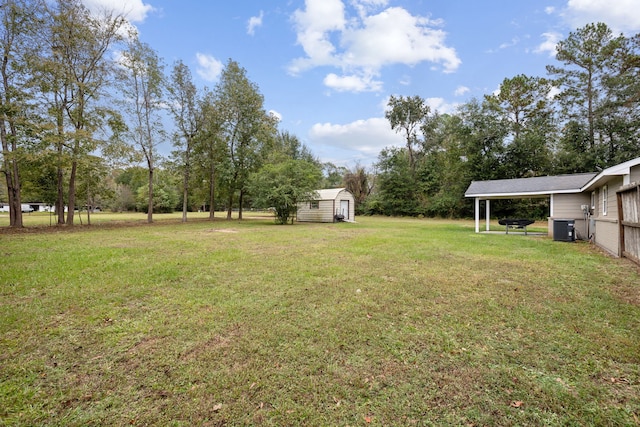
<point x="540" y="187"/>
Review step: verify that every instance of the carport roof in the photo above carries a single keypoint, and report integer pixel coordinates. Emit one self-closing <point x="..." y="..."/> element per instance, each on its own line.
<point x="539" y="186"/>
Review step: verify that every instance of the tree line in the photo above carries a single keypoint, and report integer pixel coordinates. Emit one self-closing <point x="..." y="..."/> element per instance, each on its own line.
<point x="583" y="116"/>
<point x="84" y="105"/>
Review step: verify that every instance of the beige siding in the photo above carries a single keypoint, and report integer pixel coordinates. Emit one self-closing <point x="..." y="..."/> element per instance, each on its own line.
<point x="569" y="206"/>
<point x="606" y="235"/>
<point x="324" y="212"/>
<point x="606" y="232"/>
<point x="347" y="196"/>
<point x="635" y="174"/>
<point x="327" y="208"/>
<point x="612" y="201"/>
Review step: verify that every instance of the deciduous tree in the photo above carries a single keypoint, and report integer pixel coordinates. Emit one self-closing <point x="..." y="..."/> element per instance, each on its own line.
<point x="186" y="108"/>
<point x="142" y="86"/>
<point x="75" y="70"/>
<point x="18" y="26"/>
<point x="245" y="125"/>
<point x="407" y="115"/>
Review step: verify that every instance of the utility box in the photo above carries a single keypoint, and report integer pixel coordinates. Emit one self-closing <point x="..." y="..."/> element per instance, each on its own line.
<point x="564" y="230"/>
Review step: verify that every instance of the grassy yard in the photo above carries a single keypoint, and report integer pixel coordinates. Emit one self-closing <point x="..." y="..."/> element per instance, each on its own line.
<point x="384" y="322"/>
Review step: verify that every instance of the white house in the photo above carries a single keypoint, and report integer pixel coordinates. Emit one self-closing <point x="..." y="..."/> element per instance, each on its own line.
<point x="335" y="204"/>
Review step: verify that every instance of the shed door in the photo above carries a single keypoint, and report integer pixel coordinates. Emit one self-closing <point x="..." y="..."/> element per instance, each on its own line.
<point x="344" y="208"/>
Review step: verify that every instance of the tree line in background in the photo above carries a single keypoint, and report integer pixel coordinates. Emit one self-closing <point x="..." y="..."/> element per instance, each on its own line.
<point x="83" y="111"/>
<point x="583" y="117"/>
<point x="84" y="105"/>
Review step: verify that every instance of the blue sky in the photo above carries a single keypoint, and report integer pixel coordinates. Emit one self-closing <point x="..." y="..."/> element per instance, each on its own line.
<point x="328" y="67"/>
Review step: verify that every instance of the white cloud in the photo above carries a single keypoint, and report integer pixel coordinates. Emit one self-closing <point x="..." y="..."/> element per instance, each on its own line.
<point x="254" y="22"/>
<point x="314" y="26"/>
<point x="133" y="10"/>
<point x="549" y="44"/>
<point x="209" y="68"/>
<point x="352" y="83"/>
<point x="461" y="90"/>
<point x="440" y="105"/>
<point x="405" y="80"/>
<point x="514" y="41"/>
<point x="366" y="137"/>
<point x="396" y="37"/>
<point x="361" y="46"/>
<point x="620" y="15"/>
<point x="549" y="10"/>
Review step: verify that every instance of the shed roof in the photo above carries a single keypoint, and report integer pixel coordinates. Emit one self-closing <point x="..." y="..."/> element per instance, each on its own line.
<point x="329" y="193"/>
<point x="529" y="187"/>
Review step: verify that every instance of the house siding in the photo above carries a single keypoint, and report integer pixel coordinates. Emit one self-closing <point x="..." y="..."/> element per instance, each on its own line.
<point x="569" y="206"/>
<point x="606" y="229"/>
<point x="635" y="174"/>
<point x="606" y="236"/>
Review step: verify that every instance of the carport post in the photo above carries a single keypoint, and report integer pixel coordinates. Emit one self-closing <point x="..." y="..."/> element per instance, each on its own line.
<point x="477" y="214"/>
<point x="487" y="212"/>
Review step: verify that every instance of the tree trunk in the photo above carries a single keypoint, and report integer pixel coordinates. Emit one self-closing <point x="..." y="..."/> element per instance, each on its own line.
<point x="60" y="197"/>
<point x="9" y="146"/>
<point x="89" y="207"/>
<point x="212" y="208"/>
<point x="12" y="176"/>
<point x="230" y="205"/>
<point x="60" y="172"/>
<point x="150" y="207"/>
<point x="185" y="195"/>
<point x="185" y="185"/>
<point x="72" y="193"/>
<point x="240" y="200"/>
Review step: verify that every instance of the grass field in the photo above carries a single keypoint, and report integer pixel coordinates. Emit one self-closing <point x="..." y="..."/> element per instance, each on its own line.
<point x="383" y="322"/>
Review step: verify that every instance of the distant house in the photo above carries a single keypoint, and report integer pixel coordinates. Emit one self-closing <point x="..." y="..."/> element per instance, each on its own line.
<point x="27" y="207"/>
<point x="605" y="206"/>
<point x="335" y="204"/>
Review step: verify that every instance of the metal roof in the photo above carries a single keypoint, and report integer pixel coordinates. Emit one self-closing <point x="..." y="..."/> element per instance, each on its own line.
<point x="529" y="187"/>
<point x="329" y="193"/>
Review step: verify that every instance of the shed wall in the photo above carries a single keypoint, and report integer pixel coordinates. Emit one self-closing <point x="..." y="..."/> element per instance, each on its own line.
<point x="324" y="212"/>
<point x="346" y="195"/>
<point x="327" y="208"/>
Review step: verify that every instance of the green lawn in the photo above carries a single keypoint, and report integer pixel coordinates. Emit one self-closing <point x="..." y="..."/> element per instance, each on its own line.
<point x="383" y="322"/>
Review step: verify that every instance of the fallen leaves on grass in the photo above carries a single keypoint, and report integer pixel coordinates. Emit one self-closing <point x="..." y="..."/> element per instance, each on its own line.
<point x="517" y="404"/>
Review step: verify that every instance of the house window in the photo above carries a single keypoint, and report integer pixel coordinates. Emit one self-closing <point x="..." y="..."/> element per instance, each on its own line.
<point x="594" y="196"/>
<point x="314" y="204"/>
<point x="605" y="196"/>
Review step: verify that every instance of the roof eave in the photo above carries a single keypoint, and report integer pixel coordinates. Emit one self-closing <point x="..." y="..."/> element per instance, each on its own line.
<point x="532" y="194"/>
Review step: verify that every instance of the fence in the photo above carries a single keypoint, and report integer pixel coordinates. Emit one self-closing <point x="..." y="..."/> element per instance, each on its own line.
<point x="629" y="220"/>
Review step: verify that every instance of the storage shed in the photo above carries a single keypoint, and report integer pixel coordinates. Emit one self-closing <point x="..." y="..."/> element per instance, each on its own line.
<point x="332" y="205"/>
